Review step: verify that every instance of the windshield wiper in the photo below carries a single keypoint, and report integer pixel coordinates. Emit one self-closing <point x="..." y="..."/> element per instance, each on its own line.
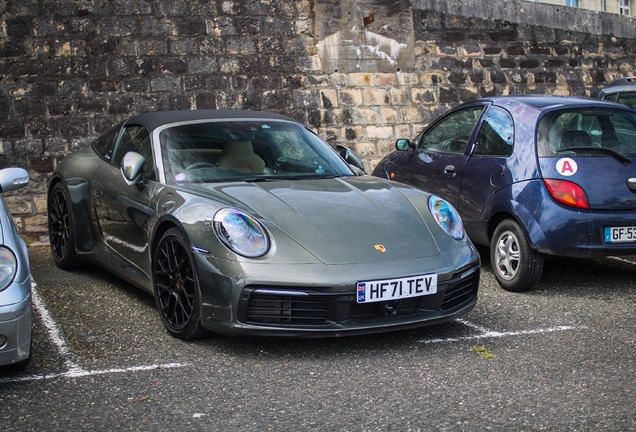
<point x="618" y="155"/>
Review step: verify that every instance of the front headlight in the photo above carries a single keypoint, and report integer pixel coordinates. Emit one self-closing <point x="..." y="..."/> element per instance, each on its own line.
<point x="446" y="216"/>
<point x="241" y="233"/>
<point x="8" y="267"/>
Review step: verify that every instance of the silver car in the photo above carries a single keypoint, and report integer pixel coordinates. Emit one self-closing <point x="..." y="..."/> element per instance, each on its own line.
<point x="15" y="282"/>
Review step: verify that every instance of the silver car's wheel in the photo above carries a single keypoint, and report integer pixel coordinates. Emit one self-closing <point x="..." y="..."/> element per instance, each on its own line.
<point x="516" y="266"/>
<point x="176" y="286"/>
<point x="61" y="228"/>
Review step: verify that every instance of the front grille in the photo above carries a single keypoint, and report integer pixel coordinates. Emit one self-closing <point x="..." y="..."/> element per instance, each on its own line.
<point x="266" y="308"/>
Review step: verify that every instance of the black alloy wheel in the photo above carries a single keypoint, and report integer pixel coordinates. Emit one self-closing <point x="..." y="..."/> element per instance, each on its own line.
<point x="176" y="286"/>
<point x="61" y="228"/>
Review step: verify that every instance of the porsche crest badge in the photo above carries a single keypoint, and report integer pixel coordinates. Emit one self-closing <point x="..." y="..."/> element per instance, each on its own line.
<point x="380" y="248"/>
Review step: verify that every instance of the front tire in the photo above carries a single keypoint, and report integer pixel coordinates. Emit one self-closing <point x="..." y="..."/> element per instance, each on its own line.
<point x="516" y="266"/>
<point x="176" y="286"/>
<point x="62" y="228"/>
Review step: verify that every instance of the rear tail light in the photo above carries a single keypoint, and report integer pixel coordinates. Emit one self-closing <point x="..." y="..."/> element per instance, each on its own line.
<point x="567" y="193"/>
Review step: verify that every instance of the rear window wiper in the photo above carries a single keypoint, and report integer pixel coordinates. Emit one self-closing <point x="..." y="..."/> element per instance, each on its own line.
<point x="618" y="155"/>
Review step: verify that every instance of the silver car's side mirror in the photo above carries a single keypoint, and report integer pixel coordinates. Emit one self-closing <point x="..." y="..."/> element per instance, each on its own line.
<point x="13" y="178"/>
<point x="132" y="168"/>
<point x="352" y="159"/>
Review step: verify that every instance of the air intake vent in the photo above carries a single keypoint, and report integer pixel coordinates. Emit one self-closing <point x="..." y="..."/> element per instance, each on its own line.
<point x="459" y="291"/>
<point x="264" y="308"/>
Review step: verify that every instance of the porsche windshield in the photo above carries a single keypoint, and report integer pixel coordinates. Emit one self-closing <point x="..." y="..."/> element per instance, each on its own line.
<point x="218" y="151"/>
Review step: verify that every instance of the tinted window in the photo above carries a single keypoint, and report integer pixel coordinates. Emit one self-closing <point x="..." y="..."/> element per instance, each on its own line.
<point x="572" y="131"/>
<point x="451" y="134"/>
<point x="103" y="145"/>
<point x="628" y="99"/>
<point x="137" y="139"/>
<point x="496" y="135"/>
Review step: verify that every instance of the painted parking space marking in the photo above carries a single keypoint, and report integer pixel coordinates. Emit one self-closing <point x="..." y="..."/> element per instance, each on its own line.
<point x="623" y="260"/>
<point x="485" y="333"/>
<point x="76" y="371"/>
<point x="73" y="369"/>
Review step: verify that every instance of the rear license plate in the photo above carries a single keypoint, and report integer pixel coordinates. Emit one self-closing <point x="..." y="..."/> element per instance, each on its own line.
<point x="393" y="289"/>
<point x="620" y="234"/>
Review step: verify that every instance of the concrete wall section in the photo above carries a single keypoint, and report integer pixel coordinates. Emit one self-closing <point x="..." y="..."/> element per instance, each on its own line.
<point x="361" y="73"/>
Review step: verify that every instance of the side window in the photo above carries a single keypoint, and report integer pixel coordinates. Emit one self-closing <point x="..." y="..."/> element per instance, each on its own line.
<point x="452" y="133"/>
<point x="496" y="136"/>
<point x="612" y="97"/>
<point x="137" y="139"/>
<point x="628" y="99"/>
<point x="103" y="145"/>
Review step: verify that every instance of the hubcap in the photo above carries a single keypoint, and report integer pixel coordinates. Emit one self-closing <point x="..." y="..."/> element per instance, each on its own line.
<point x="507" y="255"/>
<point x="174" y="284"/>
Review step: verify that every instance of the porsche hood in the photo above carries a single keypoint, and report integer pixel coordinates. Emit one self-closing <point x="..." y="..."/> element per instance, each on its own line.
<point x="340" y="220"/>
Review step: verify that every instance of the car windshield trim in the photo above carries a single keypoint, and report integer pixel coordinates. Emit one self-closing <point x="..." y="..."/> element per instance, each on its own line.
<point x="582" y="149"/>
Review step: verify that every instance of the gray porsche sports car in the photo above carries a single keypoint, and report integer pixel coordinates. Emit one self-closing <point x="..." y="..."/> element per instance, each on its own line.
<point x="247" y="223"/>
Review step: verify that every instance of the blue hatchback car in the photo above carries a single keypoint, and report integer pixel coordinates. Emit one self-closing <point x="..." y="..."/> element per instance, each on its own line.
<point x="530" y="176"/>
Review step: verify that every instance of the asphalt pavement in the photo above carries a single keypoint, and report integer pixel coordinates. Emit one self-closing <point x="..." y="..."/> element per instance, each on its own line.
<point x="558" y="358"/>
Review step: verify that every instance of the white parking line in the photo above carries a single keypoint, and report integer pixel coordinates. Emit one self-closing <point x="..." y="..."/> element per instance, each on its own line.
<point x="54" y="333"/>
<point x="486" y="333"/>
<point x="622" y="260"/>
<point x="74" y="370"/>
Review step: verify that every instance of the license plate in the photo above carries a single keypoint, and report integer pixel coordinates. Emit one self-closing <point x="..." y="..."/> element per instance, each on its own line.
<point x="393" y="289"/>
<point x="620" y="234"/>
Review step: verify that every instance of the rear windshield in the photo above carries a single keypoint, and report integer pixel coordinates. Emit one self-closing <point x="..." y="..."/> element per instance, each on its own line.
<point x="587" y="132"/>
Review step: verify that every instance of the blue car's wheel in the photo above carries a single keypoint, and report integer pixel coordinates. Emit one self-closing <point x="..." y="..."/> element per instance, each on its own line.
<point x="61" y="228"/>
<point x="515" y="265"/>
<point x="176" y="286"/>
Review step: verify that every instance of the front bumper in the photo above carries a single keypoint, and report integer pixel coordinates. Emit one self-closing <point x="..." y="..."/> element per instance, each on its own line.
<point x="306" y="303"/>
<point x="15" y="326"/>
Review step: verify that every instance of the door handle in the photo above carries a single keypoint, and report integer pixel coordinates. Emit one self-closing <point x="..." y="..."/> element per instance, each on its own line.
<point x="450" y="169"/>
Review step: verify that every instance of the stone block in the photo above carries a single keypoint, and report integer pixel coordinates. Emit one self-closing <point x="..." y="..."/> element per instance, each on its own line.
<point x="400" y="96"/>
<point x="389" y="115"/>
<point x="364" y="116"/>
<point x="37" y="223"/>
<point x="379" y="132"/>
<point x="422" y="96"/>
<point x="386" y="79"/>
<point x="361" y="79"/>
<point x="350" y="97"/>
<point x="19" y="204"/>
<point x="375" y="97"/>
<point x="352" y="133"/>
<point x="363" y="149"/>
<point x="329" y="98"/>
<point x="409" y="115"/>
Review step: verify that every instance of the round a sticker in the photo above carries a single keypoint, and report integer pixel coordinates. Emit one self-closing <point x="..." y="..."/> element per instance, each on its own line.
<point x="566" y="167"/>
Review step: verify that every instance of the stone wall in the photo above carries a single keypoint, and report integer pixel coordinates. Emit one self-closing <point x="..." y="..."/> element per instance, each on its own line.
<point x="361" y="73"/>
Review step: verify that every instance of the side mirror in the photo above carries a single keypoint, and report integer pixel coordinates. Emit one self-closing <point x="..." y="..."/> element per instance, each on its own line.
<point x="352" y="159"/>
<point x="404" y="144"/>
<point x="13" y="178"/>
<point x="132" y="168"/>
